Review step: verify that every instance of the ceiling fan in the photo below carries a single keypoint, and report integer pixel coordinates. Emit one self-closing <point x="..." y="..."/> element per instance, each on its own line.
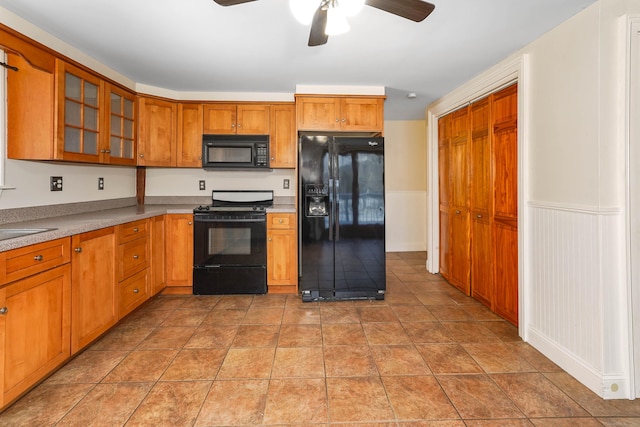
<point x="328" y="17"/>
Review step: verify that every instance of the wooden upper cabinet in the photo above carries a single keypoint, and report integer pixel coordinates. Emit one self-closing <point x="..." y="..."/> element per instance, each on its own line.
<point x="283" y="141"/>
<point x="340" y="113"/>
<point x="157" y="144"/>
<point x="120" y="119"/>
<point x="190" y="117"/>
<point x="30" y="111"/>
<point x="241" y="119"/>
<point x="70" y="114"/>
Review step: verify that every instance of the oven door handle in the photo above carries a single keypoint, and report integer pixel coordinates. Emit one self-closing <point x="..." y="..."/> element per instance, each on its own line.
<point x="257" y="220"/>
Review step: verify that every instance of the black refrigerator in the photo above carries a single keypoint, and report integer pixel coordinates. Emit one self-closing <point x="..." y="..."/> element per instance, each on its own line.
<point x="341" y="217"/>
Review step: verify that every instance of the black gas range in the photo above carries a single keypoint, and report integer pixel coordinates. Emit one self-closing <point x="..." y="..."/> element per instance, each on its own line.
<point x="230" y="243"/>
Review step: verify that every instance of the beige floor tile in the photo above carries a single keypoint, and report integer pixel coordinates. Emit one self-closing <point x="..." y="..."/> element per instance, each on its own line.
<point x="498" y="357"/>
<point x="263" y="316"/>
<point x="343" y="334"/>
<point x="174" y="403"/>
<point x="195" y="364"/>
<point x="385" y="334"/>
<point x="301" y="315"/>
<point x="212" y="337"/>
<point x="232" y="403"/>
<point x="358" y="400"/>
<point x="224" y="317"/>
<point x="167" y="337"/>
<point x="256" y="336"/>
<point x="141" y="366"/>
<point x="298" y="362"/>
<point x="478" y="397"/>
<point x="418" y="397"/>
<point x="427" y="332"/>
<point x="300" y="335"/>
<point x="349" y="361"/>
<point x="448" y="359"/>
<point x="399" y="360"/>
<point x="537" y="397"/>
<point x="107" y="404"/>
<point x="296" y="401"/>
<point x="243" y="363"/>
<point x="88" y="367"/>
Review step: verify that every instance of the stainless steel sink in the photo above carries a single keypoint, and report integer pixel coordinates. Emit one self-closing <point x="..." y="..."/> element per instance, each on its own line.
<point x="12" y="233"/>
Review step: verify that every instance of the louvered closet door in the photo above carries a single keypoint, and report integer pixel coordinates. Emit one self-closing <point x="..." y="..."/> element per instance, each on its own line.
<point x="459" y="212"/>
<point x="481" y="203"/>
<point x="444" y="186"/>
<point x="505" y="236"/>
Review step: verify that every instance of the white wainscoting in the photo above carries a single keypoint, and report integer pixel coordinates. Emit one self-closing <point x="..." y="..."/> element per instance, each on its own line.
<point x="405" y="221"/>
<point x="575" y="292"/>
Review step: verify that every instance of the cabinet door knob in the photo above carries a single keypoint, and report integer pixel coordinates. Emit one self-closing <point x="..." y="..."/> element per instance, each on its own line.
<point x="103" y="151"/>
<point x="190" y="222"/>
<point x="479" y="216"/>
<point x="136" y="257"/>
<point x="141" y="155"/>
<point x="337" y="120"/>
<point x="38" y="258"/>
<point x="344" y="120"/>
<point x="108" y="151"/>
<point x="272" y="158"/>
<point x="457" y="212"/>
<point x="239" y="125"/>
<point x="136" y="290"/>
<point x="135" y="230"/>
<point x="269" y="239"/>
<point x="78" y="250"/>
<point x="4" y="310"/>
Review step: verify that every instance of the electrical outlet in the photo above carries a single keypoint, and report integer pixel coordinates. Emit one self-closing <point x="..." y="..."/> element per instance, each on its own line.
<point x="202" y="185"/>
<point x="56" y="183"/>
<point x="100" y="183"/>
<point x="285" y="184"/>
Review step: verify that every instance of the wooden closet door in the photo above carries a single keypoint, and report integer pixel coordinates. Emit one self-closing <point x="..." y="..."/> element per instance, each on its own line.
<point x="481" y="203"/>
<point x="444" y="188"/>
<point x="459" y="212"/>
<point x="505" y="235"/>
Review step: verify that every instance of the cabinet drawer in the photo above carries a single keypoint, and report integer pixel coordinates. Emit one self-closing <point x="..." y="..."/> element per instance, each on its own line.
<point x="133" y="256"/>
<point x="281" y="221"/>
<point x="132" y="230"/>
<point x="29" y="260"/>
<point x="133" y="292"/>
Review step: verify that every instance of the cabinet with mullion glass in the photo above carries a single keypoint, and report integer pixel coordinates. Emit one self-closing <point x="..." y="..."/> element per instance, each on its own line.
<point x="79" y="95"/>
<point x="121" y="147"/>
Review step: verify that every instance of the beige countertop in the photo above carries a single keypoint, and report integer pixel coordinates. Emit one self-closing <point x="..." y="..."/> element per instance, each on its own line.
<point x="69" y="225"/>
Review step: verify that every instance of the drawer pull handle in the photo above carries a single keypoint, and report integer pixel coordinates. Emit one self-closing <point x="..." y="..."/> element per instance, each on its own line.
<point x="280" y="220"/>
<point x="135" y="230"/>
<point x="38" y="258"/>
<point x="457" y="212"/>
<point x="4" y="310"/>
<point x="136" y="290"/>
<point x="479" y="216"/>
<point x="78" y="250"/>
<point x="136" y="257"/>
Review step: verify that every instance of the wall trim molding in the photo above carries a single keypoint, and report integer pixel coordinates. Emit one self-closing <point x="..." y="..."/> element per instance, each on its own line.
<point x="592" y="210"/>
<point x="596" y="381"/>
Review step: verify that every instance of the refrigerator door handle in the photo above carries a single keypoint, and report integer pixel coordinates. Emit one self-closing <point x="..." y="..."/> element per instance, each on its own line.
<point x="336" y="222"/>
<point x="331" y="206"/>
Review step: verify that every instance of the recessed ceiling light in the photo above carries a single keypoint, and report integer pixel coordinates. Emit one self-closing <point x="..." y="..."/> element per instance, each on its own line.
<point x="412" y="95"/>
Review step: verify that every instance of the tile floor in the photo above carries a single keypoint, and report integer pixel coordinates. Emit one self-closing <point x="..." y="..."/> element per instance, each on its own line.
<point x="426" y="356"/>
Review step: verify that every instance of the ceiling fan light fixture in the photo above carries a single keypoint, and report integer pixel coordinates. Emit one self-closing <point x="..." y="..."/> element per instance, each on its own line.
<point x="336" y="22"/>
<point x="303" y="10"/>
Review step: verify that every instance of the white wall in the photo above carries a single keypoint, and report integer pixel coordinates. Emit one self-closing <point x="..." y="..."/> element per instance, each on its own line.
<point x="405" y="185"/>
<point x="80" y="183"/>
<point x="573" y="282"/>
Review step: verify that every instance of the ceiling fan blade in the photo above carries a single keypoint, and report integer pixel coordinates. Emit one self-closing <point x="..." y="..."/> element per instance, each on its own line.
<point x="415" y="10"/>
<point x="317" y="36"/>
<point x="231" y="2"/>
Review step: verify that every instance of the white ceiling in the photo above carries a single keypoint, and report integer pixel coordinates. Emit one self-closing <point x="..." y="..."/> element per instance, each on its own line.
<point x="197" y="45"/>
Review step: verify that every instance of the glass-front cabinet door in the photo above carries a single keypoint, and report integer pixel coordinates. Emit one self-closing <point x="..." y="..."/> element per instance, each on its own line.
<point x="120" y="148"/>
<point x="79" y="119"/>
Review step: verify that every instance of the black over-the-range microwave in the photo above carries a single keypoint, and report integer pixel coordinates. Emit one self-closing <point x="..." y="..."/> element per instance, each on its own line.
<point x="235" y="152"/>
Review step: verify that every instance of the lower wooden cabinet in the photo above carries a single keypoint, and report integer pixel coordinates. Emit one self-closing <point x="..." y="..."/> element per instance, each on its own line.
<point x="179" y="253"/>
<point x="157" y="275"/>
<point x="35" y="321"/>
<point x="132" y="265"/>
<point x="282" y="253"/>
<point x="93" y="296"/>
